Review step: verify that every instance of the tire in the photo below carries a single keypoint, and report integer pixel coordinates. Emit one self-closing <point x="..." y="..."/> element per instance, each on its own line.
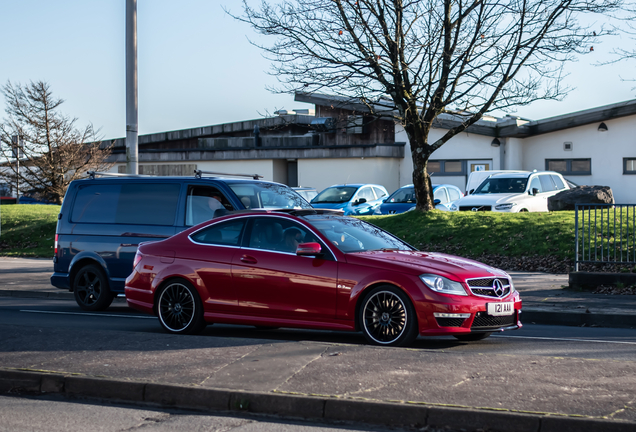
<point x="472" y="337"/>
<point x="91" y="290"/>
<point x="387" y="317"/>
<point x="180" y="308"/>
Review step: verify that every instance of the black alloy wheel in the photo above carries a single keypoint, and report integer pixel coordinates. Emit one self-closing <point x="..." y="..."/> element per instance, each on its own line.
<point x="471" y="337"/>
<point x="90" y="288"/>
<point x="180" y="308"/>
<point x="387" y="317"/>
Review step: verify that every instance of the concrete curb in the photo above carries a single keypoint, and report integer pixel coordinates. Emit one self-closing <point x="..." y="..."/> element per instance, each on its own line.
<point x="321" y="408"/>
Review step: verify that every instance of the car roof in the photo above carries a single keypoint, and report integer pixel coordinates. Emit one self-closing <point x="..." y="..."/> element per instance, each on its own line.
<point x="174" y="178"/>
<point x="521" y="174"/>
<point x="356" y="185"/>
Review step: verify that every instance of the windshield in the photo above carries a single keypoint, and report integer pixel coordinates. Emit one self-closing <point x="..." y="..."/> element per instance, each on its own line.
<point x="353" y="235"/>
<point x="502" y="185"/>
<point x="335" y="194"/>
<point x="402" y="195"/>
<point x="268" y="195"/>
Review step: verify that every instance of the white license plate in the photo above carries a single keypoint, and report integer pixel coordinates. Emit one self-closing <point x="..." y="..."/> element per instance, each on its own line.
<point x="501" y="309"/>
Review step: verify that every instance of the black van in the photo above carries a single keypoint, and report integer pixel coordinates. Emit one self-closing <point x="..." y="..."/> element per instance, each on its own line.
<point x="103" y="220"/>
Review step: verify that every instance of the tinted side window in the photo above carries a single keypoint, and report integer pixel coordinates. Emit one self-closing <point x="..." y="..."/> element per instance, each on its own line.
<point x="228" y="233"/>
<point x="133" y="203"/>
<point x="96" y="204"/>
<point x="148" y="204"/>
<point x="557" y="181"/>
<point x="546" y="183"/>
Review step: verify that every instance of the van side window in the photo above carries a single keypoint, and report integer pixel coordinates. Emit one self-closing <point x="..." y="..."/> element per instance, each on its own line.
<point x="204" y="203"/>
<point x="129" y="203"/>
<point x="96" y="204"/>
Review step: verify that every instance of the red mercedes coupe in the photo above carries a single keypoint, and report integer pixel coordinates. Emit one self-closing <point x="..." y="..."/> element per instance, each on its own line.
<point x="317" y="269"/>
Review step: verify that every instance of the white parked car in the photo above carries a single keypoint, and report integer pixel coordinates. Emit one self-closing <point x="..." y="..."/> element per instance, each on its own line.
<point x="513" y="192"/>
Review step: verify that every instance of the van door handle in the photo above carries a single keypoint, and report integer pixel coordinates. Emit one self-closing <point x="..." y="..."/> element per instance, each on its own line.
<point x="248" y="259"/>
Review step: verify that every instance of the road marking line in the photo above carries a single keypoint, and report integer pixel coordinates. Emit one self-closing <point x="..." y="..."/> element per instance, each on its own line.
<point x="566" y="339"/>
<point x="88" y="314"/>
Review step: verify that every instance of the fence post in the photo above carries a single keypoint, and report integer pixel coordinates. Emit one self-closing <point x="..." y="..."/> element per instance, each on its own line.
<point x="576" y="237"/>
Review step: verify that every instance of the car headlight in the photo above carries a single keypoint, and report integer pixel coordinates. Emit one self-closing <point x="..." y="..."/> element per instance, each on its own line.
<point x="377" y="211"/>
<point x="453" y="207"/>
<point x="507" y="206"/>
<point x="443" y="285"/>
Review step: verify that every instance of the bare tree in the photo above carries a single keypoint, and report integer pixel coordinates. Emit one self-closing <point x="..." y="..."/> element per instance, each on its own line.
<point x="55" y="152"/>
<point x="416" y="59"/>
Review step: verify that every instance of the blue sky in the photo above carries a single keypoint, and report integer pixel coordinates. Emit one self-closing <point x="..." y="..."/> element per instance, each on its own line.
<point x="195" y="64"/>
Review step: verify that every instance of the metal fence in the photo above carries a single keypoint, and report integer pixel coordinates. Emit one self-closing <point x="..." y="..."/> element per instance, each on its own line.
<point x="605" y="234"/>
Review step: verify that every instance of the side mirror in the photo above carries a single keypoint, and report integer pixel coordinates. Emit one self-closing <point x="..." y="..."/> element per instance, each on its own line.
<point x="437" y="201"/>
<point x="471" y="191"/>
<point x="535" y="191"/>
<point x="360" y="201"/>
<point x="308" y="249"/>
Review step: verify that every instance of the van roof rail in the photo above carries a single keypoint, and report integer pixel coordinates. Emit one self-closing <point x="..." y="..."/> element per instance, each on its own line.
<point x="199" y="173"/>
<point x="92" y="174"/>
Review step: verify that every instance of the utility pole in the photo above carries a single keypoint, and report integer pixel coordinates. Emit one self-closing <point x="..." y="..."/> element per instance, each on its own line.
<point x="131" y="89"/>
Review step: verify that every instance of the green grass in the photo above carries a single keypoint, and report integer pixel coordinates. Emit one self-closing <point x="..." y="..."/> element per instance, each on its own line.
<point x="28" y="230"/>
<point x="471" y="234"/>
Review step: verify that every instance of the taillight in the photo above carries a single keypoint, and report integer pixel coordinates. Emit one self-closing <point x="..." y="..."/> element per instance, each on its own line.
<point x="55" y="251"/>
<point x="138" y="257"/>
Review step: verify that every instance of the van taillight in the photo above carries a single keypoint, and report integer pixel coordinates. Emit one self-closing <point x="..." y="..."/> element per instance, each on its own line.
<point x="55" y="251"/>
<point x="138" y="257"/>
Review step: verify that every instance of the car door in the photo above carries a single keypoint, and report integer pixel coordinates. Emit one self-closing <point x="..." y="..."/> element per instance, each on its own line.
<point x="549" y="189"/>
<point x="441" y="195"/>
<point x="534" y="203"/>
<point x="272" y="281"/>
<point x="211" y="255"/>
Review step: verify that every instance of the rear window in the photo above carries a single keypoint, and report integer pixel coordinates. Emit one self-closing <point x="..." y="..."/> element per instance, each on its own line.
<point x="132" y="203"/>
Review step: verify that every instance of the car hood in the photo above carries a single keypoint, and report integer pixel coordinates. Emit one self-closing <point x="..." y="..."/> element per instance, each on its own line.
<point x="329" y="205"/>
<point x="418" y="263"/>
<point x="489" y="199"/>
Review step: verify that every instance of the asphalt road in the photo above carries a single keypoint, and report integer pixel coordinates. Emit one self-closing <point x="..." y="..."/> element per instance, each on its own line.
<point x="55" y="413"/>
<point x="572" y="371"/>
<point x="561" y="341"/>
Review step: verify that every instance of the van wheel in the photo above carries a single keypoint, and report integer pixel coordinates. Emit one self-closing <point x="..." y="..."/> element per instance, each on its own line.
<point x="91" y="289"/>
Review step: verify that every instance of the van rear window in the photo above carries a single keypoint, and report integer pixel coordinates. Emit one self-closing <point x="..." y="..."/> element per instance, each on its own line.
<point x="132" y="203"/>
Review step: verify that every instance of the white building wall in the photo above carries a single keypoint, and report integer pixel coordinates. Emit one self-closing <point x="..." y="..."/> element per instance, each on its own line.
<point x="513" y="154"/>
<point x="471" y="147"/>
<point x="322" y="173"/>
<point x="605" y="149"/>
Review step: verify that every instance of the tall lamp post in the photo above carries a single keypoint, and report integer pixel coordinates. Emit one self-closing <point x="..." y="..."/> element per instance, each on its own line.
<point x="131" y="88"/>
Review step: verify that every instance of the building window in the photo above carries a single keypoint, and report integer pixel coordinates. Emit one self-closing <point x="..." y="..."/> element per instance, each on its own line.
<point x="446" y="167"/>
<point x="629" y="165"/>
<point x="569" y="166"/>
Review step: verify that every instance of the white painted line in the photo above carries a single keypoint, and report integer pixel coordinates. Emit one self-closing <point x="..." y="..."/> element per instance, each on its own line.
<point x="89" y="314"/>
<point x="566" y="339"/>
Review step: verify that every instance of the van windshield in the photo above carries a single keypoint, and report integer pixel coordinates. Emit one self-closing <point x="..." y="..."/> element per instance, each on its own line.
<point x="502" y="185"/>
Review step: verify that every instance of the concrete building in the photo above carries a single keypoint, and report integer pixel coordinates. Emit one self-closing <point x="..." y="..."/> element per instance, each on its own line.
<point x="336" y="142"/>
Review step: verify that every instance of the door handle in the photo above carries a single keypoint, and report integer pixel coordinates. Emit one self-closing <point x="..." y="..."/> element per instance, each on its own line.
<point x="248" y="259"/>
